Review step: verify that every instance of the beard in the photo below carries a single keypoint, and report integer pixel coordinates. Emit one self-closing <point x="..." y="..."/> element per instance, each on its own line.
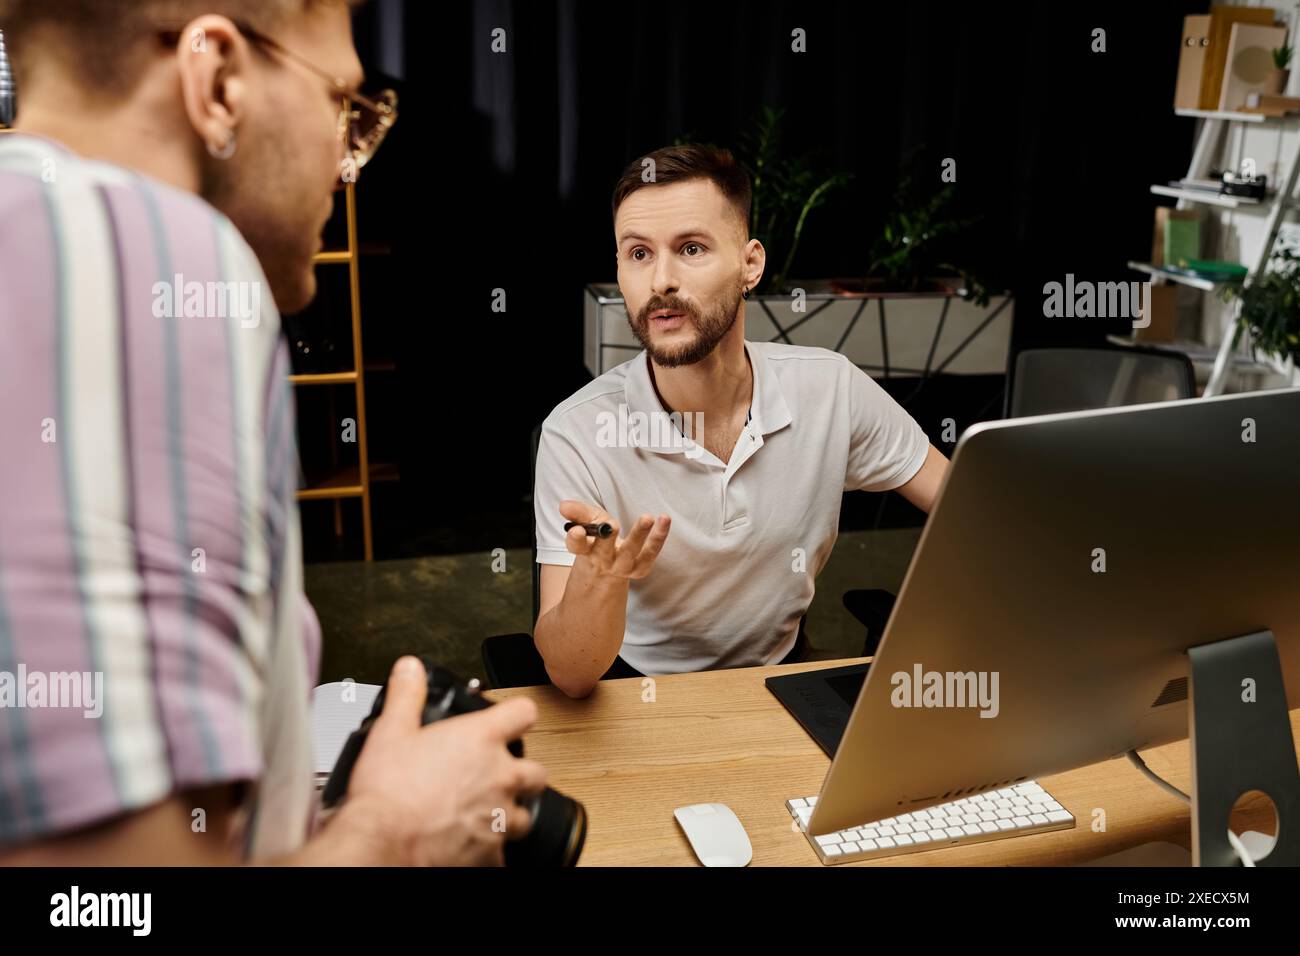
<point x="283" y="243"/>
<point x="710" y="325"/>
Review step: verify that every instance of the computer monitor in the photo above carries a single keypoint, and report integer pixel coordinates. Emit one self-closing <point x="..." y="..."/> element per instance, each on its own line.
<point x="1069" y="566"/>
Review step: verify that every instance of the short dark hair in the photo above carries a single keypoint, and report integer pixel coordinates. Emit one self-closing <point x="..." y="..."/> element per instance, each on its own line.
<point x="98" y="38"/>
<point x="675" y="164"/>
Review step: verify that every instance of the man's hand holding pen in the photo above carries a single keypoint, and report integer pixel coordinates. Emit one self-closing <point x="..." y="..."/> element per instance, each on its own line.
<point x="631" y="557"/>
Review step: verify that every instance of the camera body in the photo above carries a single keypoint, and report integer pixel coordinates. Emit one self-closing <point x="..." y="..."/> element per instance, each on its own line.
<point x="559" y="827"/>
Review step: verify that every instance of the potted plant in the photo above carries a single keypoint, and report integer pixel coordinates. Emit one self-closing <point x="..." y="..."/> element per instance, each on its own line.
<point x="912" y="253"/>
<point x="785" y="190"/>
<point x="1270" y="310"/>
<point x="1281" y="72"/>
<point x="934" y="312"/>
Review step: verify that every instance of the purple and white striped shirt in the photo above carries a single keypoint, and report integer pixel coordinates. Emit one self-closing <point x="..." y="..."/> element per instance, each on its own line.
<point x="149" y="536"/>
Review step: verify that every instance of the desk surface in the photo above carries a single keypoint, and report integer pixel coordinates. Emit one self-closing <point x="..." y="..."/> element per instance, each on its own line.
<point x="721" y="737"/>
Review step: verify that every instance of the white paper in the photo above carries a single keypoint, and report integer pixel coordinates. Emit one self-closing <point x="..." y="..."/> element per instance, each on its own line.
<point x="337" y="709"/>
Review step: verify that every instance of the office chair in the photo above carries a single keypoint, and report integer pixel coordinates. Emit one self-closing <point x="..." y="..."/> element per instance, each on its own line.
<point x="512" y="660"/>
<point x="1044" y="381"/>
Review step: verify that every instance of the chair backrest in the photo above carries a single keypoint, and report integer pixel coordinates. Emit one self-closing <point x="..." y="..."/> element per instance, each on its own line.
<point x="1044" y="381"/>
<point x="537" y="568"/>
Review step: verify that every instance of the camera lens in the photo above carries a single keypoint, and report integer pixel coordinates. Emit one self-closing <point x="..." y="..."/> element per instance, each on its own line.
<point x="558" y="832"/>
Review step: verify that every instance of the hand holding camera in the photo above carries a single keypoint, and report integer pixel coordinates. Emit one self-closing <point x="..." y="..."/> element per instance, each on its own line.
<point x="437" y="774"/>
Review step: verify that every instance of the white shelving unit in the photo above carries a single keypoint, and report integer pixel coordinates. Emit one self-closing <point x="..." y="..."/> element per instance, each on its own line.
<point x="1210" y="199"/>
<point x="1168" y="275"/>
<point x="1214" y="123"/>
<point x="1231" y="115"/>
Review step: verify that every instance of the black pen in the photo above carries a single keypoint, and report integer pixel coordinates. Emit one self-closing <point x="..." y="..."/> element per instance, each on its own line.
<point x="596" y="529"/>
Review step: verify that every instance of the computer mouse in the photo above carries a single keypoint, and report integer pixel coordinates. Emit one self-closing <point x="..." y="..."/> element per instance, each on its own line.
<point x="715" y="834"/>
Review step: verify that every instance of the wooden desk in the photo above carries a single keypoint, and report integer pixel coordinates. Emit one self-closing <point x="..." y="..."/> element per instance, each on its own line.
<point x="721" y="737"/>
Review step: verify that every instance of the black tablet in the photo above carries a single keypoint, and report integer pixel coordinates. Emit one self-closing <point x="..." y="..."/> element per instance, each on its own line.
<point x="821" y="700"/>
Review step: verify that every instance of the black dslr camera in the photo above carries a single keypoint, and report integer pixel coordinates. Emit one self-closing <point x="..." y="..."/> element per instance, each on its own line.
<point x="559" y="823"/>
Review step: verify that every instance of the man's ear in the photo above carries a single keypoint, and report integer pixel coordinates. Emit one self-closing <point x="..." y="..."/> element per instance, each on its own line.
<point x="213" y="59"/>
<point x="755" y="263"/>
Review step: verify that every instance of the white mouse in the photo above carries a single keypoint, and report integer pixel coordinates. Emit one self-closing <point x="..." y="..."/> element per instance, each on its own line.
<point x="715" y="833"/>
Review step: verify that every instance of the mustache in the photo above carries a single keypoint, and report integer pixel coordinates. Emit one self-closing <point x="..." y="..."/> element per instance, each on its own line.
<point x="671" y="304"/>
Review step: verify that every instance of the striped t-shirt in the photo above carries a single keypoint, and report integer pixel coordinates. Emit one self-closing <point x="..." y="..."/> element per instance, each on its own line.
<point x="153" y="632"/>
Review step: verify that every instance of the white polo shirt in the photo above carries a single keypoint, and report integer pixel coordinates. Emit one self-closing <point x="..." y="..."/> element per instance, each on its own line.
<point x="748" y="536"/>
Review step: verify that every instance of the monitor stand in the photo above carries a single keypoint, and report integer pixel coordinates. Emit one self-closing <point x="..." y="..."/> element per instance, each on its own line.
<point x="1240" y="737"/>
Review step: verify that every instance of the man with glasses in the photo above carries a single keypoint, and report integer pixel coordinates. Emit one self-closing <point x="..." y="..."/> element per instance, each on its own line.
<point x="174" y="164"/>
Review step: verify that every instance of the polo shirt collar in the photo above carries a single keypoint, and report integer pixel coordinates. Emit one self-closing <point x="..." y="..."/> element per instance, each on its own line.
<point x="768" y="409"/>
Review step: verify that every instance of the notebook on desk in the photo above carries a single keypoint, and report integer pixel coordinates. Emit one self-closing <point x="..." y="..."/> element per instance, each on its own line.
<point x="337" y="709"/>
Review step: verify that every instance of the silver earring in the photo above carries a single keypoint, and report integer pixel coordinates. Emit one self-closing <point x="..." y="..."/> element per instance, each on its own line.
<point x="226" y="151"/>
<point x="744" y="294"/>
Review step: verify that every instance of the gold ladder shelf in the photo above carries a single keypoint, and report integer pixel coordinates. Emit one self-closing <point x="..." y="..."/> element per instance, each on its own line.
<point x="351" y="481"/>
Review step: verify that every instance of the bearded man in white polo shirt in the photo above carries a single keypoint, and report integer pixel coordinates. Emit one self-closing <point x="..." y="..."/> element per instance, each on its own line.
<point x="719" y="463"/>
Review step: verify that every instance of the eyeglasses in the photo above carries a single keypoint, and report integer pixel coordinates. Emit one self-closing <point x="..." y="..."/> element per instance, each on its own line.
<point x="364" y="121"/>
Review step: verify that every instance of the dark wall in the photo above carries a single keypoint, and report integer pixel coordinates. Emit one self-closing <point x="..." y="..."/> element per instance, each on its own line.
<point x="500" y="171"/>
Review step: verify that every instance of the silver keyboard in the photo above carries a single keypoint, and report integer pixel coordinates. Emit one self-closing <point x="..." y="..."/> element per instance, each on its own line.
<point x="1012" y="811"/>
